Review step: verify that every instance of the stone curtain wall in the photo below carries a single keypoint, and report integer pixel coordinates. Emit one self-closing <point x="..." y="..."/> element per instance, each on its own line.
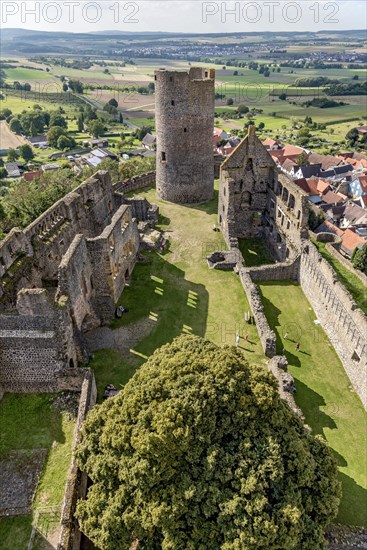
<point x="267" y="336"/>
<point x="276" y="272"/>
<point x="343" y="322"/>
<point x="76" y="486"/>
<point x="135" y="183"/>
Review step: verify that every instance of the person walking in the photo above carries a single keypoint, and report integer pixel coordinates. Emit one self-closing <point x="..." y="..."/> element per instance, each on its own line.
<point x="237" y="340"/>
<point x="286" y="335"/>
<point x="298" y="346"/>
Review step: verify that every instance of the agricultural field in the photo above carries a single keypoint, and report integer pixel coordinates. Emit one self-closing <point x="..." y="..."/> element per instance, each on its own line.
<point x="8" y="139"/>
<point x="26" y="75"/>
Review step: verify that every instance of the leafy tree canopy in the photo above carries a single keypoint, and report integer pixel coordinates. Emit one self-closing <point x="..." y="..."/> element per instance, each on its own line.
<point x="96" y="128"/>
<point x="26" y="152"/>
<point x="16" y="126"/>
<point x="53" y="135"/>
<point x="199" y="452"/>
<point x="56" y="119"/>
<point x="359" y="258"/>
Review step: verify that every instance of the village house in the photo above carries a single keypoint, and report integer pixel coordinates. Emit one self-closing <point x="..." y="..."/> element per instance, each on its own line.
<point x="99" y="142"/>
<point x="358" y="187"/>
<point x="14" y="169"/>
<point x="149" y="141"/>
<point x="95" y="157"/>
<point x="38" y="141"/>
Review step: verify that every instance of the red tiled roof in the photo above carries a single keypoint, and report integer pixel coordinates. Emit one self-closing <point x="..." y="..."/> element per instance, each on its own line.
<point x="218" y="131"/>
<point x="332" y="198"/>
<point x="29" y="176"/>
<point x="291" y="150"/>
<point x="351" y="240"/>
<point x="288" y="164"/>
<point x="364" y="200"/>
<point x="333" y="228"/>
<point x="322" y="186"/>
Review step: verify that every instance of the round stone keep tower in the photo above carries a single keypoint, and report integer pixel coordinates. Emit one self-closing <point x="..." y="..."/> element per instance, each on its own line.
<point x="184" y="128"/>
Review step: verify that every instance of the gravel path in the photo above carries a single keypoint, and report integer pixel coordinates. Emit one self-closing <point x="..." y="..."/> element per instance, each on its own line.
<point x="123" y="338"/>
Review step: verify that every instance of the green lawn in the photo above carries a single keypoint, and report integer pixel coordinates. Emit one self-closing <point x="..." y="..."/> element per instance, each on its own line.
<point x="254" y="252"/>
<point x="179" y="294"/>
<point x="351" y="282"/>
<point x="324" y="392"/>
<point x="30" y="421"/>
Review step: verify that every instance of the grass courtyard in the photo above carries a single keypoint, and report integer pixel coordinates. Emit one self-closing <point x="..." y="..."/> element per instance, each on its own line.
<point x="324" y="392"/>
<point x="177" y="293"/>
<point x="30" y="421"/>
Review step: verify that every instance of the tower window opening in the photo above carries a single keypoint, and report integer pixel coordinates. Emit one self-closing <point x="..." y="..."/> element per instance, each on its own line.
<point x="172" y="102"/>
<point x="185" y="129"/>
<point x="155" y="77"/>
<point x="206" y="74"/>
<point x="163" y="156"/>
<point x="171" y="78"/>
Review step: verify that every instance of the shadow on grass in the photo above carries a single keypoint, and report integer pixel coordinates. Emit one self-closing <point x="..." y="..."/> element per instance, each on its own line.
<point x="311" y="404"/>
<point x="353" y="505"/>
<point x="158" y="293"/>
<point x="272" y="314"/>
<point x="210" y="207"/>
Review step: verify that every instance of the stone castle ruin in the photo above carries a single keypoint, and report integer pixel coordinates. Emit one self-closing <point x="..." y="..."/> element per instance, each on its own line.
<point x="62" y="276"/>
<point x="184" y="126"/>
<point x="255" y="200"/>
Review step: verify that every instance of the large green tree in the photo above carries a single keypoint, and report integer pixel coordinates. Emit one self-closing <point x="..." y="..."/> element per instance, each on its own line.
<point x="199" y="452"/>
<point x="359" y="258"/>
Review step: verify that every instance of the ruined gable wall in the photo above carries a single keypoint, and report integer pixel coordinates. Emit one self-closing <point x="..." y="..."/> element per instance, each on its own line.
<point x="75" y="282"/>
<point x="247" y="175"/>
<point x="113" y="256"/>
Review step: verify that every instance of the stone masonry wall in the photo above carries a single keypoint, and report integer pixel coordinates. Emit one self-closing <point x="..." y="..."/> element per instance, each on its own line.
<point x="267" y="336"/>
<point x="343" y="322"/>
<point x="276" y="272"/>
<point x="76" y="486"/>
<point x="135" y="183"/>
<point x="60" y="277"/>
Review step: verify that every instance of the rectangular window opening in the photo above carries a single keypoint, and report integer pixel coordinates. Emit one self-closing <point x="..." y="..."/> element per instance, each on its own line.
<point x="163" y="156"/>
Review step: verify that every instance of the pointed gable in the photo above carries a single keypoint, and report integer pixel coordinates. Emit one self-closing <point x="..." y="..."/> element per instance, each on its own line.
<point x="249" y="147"/>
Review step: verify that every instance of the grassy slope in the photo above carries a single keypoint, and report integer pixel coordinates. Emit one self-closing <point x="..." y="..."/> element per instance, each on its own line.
<point x="346" y="277"/>
<point x="324" y="393"/>
<point x="30" y="422"/>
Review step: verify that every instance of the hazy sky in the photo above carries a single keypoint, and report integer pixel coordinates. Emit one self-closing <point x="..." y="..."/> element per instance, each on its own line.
<point x="184" y="16"/>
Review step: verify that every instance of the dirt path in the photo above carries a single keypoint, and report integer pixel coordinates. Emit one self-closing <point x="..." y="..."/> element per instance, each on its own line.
<point x="123" y="338"/>
<point x="7" y="138"/>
